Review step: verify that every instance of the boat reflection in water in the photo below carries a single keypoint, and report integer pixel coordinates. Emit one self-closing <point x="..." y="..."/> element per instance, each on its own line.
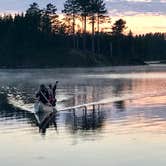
<point x="78" y="119"/>
<point x="44" y="120"/>
<point x="130" y="130"/>
<point x="128" y="91"/>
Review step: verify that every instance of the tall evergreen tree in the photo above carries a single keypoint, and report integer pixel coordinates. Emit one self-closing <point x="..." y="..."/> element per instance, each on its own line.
<point x="97" y="8"/>
<point x="71" y="9"/>
<point x="119" y="27"/>
<point x="49" y="18"/>
<point x="84" y="9"/>
<point x="33" y="18"/>
<point x="100" y="10"/>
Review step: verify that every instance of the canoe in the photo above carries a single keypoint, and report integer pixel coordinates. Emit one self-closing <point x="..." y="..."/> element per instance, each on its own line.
<point x="43" y="113"/>
<point x="40" y="107"/>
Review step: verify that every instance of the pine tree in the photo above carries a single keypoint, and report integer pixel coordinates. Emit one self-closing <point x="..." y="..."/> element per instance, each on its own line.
<point x="71" y="9"/>
<point x="49" y="18"/>
<point x="118" y="27"/>
<point x="33" y="18"/>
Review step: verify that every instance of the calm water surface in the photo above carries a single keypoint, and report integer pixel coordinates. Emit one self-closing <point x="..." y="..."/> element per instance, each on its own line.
<point x="130" y="129"/>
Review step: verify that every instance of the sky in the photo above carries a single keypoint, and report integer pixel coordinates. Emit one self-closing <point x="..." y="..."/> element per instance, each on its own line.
<point x="142" y="16"/>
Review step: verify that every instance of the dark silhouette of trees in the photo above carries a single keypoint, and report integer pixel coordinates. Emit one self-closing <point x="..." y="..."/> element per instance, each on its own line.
<point x="92" y="10"/>
<point x="100" y="10"/>
<point x="50" y="22"/>
<point x="38" y="38"/>
<point x="118" y="27"/>
<point x="46" y="25"/>
<point x="117" y="32"/>
<point x="97" y="10"/>
<point x="33" y="18"/>
<point x="84" y="9"/>
<point x="71" y="10"/>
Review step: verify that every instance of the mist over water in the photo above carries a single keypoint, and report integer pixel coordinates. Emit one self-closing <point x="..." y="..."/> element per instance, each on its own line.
<point x="129" y="128"/>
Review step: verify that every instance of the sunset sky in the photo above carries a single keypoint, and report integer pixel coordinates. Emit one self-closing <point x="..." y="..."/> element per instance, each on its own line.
<point x="142" y="16"/>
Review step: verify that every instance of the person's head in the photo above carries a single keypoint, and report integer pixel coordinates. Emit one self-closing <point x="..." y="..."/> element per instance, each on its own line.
<point x="42" y="87"/>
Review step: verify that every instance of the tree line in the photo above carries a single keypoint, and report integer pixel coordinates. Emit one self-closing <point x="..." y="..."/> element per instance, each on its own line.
<point x="83" y="36"/>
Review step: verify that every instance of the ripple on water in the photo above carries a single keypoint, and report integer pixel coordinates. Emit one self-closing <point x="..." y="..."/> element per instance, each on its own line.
<point x="137" y="110"/>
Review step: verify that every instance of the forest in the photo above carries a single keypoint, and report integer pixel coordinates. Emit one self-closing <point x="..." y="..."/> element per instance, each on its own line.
<point x="81" y="35"/>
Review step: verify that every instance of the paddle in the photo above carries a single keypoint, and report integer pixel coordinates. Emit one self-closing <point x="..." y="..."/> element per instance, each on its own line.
<point x="54" y="93"/>
<point x="46" y="98"/>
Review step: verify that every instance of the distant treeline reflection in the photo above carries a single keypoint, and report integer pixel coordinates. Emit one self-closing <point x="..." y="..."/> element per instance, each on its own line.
<point x="84" y="120"/>
<point x="40" y="38"/>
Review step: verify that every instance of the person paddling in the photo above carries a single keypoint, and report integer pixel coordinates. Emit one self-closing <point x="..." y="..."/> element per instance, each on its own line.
<point x="43" y="94"/>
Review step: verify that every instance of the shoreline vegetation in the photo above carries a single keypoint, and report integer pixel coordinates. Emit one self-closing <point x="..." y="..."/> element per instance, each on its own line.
<point x="84" y="37"/>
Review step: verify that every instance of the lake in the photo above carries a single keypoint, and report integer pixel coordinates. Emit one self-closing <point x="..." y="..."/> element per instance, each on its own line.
<point x="128" y="129"/>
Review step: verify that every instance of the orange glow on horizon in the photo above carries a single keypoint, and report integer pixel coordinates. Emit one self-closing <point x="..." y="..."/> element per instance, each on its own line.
<point x="138" y="24"/>
<point x="144" y="23"/>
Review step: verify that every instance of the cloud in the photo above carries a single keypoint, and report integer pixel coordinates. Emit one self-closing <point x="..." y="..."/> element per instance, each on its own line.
<point x="136" y="7"/>
<point x="115" y="7"/>
<point x="22" y="5"/>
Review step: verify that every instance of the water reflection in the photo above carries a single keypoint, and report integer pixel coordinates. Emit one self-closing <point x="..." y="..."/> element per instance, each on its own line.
<point x="120" y="105"/>
<point x="126" y="90"/>
<point x="85" y="120"/>
<point x="8" y="111"/>
<point x="47" y="122"/>
<point x="76" y="120"/>
<point x="135" y="120"/>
